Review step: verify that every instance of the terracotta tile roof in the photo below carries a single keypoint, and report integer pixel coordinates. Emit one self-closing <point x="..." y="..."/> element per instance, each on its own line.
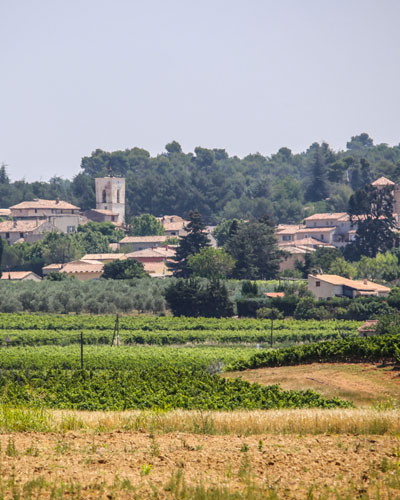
<point x="289" y="228"/>
<point x="365" y="285"/>
<point x="316" y="230"/>
<point x="5" y="212"/>
<point x="153" y="252"/>
<point x="144" y="239"/>
<point x="339" y="216"/>
<point x="45" y="204"/>
<point x="86" y="266"/>
<point x="170" y="219"/>
<point x="17" y="275"/>
<point x="298" y="249"/>
<point x="303" y="242"/>
<point x="273" y="295"/>
<point x="104" y="256"/>
<point x="103" y="212"/>
<point x="52" y="267"/>
<point x="383" y="181"/>
<point x="174" y="226"/>
<point x="19" y="226"/>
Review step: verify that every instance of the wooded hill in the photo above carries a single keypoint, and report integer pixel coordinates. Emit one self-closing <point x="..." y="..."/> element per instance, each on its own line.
<point x="285" y="185"/>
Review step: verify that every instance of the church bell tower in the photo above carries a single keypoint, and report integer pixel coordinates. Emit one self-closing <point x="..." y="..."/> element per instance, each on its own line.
<point x="110" y="195"/>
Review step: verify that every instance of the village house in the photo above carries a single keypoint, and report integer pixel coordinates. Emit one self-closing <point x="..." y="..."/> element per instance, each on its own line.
<point x="82" y="269"/>
<point x="20" y="276"/>
<point x="42" y="209"/>
<point x="174" y="225"/>
<point x="134" y="243"/>
<point x="324" y="286"/>
<point x="19" y="231"/>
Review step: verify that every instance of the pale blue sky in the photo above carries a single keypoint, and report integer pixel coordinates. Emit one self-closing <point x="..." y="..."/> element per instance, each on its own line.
<point x="247" y="76"/>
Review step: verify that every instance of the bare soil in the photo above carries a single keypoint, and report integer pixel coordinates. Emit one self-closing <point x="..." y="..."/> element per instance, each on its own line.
<point x="140" y="465"/>
<point x="363" y="384"/>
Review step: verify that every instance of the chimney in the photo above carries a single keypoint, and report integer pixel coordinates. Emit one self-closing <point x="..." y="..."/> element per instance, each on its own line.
<point x="57" y="201"/>
<point x="365" y="282"/>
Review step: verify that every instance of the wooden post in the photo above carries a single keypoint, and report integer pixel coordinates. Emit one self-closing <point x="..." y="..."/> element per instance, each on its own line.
<point x="272" y="332"/>
<point x="81" y="350"/>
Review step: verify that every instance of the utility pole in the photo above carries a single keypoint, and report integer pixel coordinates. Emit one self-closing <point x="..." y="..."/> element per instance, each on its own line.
<point x="81" y="350"/>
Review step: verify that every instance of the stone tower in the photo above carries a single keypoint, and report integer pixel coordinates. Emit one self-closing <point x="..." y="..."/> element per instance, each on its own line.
<point x="110" y="195"/>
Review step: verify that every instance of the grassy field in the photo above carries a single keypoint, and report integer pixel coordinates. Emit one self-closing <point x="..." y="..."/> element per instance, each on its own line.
<point x="363" y="384"/>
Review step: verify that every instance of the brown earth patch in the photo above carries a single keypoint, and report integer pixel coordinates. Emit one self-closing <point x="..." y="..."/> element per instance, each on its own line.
<point x="140" y="465"/>
<point x="363" y="384"/>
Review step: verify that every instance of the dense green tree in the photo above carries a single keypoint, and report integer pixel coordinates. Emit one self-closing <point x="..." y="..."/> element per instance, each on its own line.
<point x="124" y="270"/>
<point x="211" y="263"/>
<point x="190" y="297"/>
<point x="191" y="244"/>
<point x="371" y="212"/>
<point x="318" y="188"/>
<point x="360" y="141"/>
<point x="173" y="147"/>
<point x="222" y="231"/>
<point x="146" y="225"/>
<point x="255" y="249"/>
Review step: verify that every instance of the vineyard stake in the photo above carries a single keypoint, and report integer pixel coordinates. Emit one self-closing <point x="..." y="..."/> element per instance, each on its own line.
<point x="81" y="350"/>
<point x="116" y="331"/>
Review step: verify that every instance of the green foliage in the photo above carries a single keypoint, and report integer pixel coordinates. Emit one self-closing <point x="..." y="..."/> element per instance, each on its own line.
<point x="254" y="247"/>
<point x="146" y="225"/>
<point x="342" y="268"/>
<point x="385" y="266"/>
<point x="164" y="389"/>
<point x="191" y="244"/>
<point x="318" y="189"/>
<point x="211" y="263"/>
<point x="224" y="230"/>
<point x="249" y="289"/>
<point x="192" y="298"/>
<point x="107" y="229"/>
<point x="371" y="209"/>
<point x="350" y="350"/>
<point x="124" y="270"/>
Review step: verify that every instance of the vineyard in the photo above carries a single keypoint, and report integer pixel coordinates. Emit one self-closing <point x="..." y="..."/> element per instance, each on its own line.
<point x="27" y="329"/>
<point x="161" y="362"/>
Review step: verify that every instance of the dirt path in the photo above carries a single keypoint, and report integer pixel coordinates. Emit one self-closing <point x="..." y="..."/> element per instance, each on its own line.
<point x="364" y="384"/>
<point x="116" y="465"/>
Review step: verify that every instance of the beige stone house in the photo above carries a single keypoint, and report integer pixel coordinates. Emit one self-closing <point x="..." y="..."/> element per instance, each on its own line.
<point x="324" y="286"/>
<point x="42" y="209"/>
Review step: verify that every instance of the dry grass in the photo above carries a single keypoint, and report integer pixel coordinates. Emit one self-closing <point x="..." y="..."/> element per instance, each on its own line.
<point x="364" y="384"/>
<point x="312" y="421"/>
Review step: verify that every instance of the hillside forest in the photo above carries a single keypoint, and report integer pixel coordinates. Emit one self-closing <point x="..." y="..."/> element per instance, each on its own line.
<point x="285" y="185"/>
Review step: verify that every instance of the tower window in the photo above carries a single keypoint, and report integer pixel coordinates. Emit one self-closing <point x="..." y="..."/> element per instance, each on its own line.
<point x="118" y="196"/>
<point x="104" y="196"/>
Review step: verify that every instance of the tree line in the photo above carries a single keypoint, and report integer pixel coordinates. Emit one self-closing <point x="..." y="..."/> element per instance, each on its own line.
<point x="286" y="185"/>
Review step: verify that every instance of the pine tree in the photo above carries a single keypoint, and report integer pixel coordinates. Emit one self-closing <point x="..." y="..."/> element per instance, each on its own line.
<point x="255" y="249"/>
<point x="318" y="189"/>
<point x="190" y="244"/>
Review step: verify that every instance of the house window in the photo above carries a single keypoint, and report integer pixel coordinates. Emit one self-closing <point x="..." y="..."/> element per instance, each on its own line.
<point x="117" y="195"/>
<point x="21" y="235"/>
<point x="104" y="196"/>
<point x="322" y="237"/>
<point x="317" y="283"/>
<point x="71" y="229"/>
<point x="7" y="236"/>
<point x="35" y="210"/>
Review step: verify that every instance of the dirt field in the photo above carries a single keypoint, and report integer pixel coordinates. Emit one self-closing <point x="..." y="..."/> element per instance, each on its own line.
<point x="364" y="384"/>
<point x="142" y="465"/>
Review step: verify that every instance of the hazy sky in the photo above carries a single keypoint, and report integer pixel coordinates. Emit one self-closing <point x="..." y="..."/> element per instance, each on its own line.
<point x="247" y="76"/>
